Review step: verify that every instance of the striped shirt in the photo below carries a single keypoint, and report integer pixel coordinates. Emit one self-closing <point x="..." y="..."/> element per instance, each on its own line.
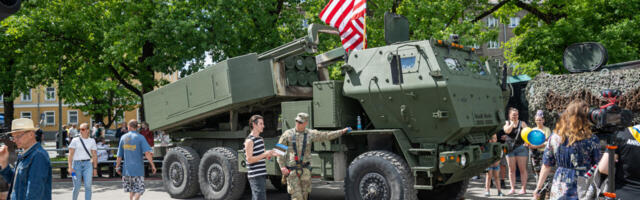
<point x="258" y="168"/>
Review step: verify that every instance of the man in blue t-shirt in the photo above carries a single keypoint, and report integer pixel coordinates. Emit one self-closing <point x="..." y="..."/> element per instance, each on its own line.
<point x="132" y="148"/>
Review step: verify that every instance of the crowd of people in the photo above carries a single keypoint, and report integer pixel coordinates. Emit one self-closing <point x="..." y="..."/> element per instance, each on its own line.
<point x="569" y="151"/>
<point x="31" y="176"/>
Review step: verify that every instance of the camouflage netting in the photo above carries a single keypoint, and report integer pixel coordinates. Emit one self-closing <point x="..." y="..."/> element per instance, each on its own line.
<point x="552" y="93"/>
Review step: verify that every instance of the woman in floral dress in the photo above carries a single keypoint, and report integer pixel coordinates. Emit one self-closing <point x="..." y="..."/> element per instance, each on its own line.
<point x="573" y="149"/>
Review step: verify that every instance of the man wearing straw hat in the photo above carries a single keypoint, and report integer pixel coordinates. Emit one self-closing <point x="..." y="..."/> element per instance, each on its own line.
<point x="31" y="177"/>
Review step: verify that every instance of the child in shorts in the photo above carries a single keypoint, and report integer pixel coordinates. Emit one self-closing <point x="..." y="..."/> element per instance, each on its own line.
<point x="493" y="172"/>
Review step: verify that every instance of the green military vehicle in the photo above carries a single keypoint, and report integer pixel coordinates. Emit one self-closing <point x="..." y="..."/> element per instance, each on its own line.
<point x="426" y="110"/>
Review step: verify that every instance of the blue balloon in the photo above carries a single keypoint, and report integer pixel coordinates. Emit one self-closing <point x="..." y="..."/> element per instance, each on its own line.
<point x="536" y="137"/>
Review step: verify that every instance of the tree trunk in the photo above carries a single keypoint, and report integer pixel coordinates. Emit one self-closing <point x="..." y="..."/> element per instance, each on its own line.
<point x="8" y="110"/>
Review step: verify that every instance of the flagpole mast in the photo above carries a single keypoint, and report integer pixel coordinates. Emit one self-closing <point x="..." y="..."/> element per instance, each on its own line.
<point x="364" y="44"/>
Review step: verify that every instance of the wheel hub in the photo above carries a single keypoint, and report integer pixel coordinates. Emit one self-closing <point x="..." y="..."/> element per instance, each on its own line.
<point x="215" y="177"/>
<point x="373" y="186"/>
<point x="176" y="174"/>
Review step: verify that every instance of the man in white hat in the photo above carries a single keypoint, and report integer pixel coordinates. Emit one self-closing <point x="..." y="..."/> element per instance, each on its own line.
<point x="31" y="178"/>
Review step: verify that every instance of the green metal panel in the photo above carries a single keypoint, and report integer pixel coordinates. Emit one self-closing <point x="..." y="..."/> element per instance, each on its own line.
<point x="200" y="88"/>
<point x="250" y="78"/>
<point x="155" y="100"/>
<point x="289" y="111"/>
<point x="221" y="82"/>
<point x="176" y="97"/>
<point x="331" y="108"/>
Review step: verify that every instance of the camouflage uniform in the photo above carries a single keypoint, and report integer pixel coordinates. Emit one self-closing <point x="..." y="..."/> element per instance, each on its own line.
<point x="300" y="187"/>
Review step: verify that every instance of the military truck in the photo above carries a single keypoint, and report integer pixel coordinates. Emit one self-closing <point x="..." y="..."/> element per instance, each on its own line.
<point x="426" y="110"/>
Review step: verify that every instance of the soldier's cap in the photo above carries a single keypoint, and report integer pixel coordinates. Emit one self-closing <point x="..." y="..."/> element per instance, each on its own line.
<point x="302" y="117"/>
<point x="22" y="124"/>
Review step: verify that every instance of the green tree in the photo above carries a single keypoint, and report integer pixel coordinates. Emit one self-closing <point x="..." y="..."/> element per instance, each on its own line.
<point x="551" y="26"/>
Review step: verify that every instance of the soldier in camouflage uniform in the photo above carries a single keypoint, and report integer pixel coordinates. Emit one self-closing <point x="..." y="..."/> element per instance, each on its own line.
<point x="296" y="166"/>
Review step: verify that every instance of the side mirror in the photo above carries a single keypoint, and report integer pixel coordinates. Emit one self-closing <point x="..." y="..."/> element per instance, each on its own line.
<point x="584" y="57"/>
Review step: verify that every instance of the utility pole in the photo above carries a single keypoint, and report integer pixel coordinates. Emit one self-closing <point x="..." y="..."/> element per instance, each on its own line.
<point x="60" y="136"/>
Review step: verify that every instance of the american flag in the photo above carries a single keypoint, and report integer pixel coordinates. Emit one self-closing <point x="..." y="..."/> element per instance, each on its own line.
<point x="348" y="17"/>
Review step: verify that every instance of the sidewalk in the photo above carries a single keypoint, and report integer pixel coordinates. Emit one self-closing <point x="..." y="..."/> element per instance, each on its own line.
<point x="476" y="190"/>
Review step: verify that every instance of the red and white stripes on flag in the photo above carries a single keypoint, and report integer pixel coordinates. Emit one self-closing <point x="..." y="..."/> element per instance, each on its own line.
<point x="348" y="17"/>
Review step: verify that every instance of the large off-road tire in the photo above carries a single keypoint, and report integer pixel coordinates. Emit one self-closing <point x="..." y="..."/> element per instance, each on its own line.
<point x="219" y="176"/>
<point x="379" y="175"/>
<point x="452" y="191"/>
<point x="179" y="171"/>
<point x="276" y="181"/>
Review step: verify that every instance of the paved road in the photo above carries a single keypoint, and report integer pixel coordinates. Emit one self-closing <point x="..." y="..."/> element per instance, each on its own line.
<point x="111" y="188"/>
<point x="107" y="189"/>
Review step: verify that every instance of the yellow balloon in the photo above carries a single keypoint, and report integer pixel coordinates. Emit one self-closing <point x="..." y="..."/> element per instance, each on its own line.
<point x="524" y="134"/>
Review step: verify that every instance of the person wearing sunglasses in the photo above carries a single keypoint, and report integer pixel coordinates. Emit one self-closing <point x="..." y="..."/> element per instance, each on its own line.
<point x="83" y="161"/>
<point x="31" y="178"/>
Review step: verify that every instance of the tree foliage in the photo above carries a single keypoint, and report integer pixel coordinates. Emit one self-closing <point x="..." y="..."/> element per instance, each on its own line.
<point x="543" y="35"/>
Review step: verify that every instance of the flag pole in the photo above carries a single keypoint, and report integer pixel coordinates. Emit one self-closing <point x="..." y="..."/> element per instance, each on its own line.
<point x="364" y="44"/>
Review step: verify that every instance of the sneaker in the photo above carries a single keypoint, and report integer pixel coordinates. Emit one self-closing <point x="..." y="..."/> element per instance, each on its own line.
<point x="511" y="192"/>
<point x="500" y="194"/>
<point x="487" y="194"/>
<point x="522" y="192"/>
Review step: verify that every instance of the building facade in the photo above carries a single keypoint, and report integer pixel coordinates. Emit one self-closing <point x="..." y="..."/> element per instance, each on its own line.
<point x="492" y="49"/>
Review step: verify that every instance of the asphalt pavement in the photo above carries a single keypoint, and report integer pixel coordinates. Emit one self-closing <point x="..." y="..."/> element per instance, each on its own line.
<point x="111" y="188"/>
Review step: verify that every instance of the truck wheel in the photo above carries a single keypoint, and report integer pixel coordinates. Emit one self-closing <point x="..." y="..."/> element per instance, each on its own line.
<point x="379" y="175"/>
<point x="219" y="176"/>
<point x="276" y="181"/>
<point x="179" y="171"/>
<point x="451" y="191"/>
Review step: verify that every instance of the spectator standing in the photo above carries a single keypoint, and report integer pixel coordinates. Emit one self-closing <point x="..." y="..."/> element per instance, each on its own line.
<point x="148" y="135"/>
<point x="537" y="151"/>
<point x="132" y="148"/>
<point x="73" y="131"/>
<point x="256" y="155"/>
<point x="121" y="131"/>
<point x="32" y="179"/>
<point x="95" y="130"/>
<point x="572" y="148"/>
<point x="83" y="161"/>
<point x="518" y="156"/>
<point x="492" y="172"/>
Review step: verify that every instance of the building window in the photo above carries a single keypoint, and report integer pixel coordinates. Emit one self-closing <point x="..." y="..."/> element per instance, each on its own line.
<point x="72" y="117"/>
<point x="51" y="94"/>
<point x="26" y="96"/>
<point x="50" y="118"/>
<point x="493" y="44"/>
<point x="25" y="115"/>
<point x="492" y="22"/>
<point x="514" y="21"/>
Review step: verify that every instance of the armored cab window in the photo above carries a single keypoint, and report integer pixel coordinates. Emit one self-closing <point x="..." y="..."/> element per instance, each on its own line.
<point x="476" y="67"/>
<point x="396" y="69"/>
<point x="453" y="64"/>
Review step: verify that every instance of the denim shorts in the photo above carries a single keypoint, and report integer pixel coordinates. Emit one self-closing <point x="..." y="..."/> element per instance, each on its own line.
<point x="496" y="168"/>
<point x="519" y="151"/>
